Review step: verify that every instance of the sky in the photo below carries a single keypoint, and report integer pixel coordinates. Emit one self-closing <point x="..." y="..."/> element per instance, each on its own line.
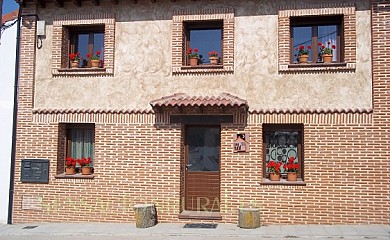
<point x="9" y="6"/>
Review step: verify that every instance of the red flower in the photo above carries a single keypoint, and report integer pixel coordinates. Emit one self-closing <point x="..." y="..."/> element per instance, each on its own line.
<point x="192" y="53"/>
<point x="303" y="51"/>
<point x="274" y="167"/>
<point x="84" y="161"/>
<point x="326" y="49"/>
<point x="74" y="56"/>
<point x="70" y="162"/>
<point x="213" y="54"/>
<point x="320" y="44"/>
<point x="94" y="57"/>
<point x="291" y="166"/>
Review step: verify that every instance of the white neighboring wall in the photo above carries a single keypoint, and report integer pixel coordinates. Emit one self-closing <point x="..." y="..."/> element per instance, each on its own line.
<point x="7" y="74"/>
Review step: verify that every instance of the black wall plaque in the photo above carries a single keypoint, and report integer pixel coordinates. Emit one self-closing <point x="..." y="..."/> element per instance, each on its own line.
<point x="35" y="171"/>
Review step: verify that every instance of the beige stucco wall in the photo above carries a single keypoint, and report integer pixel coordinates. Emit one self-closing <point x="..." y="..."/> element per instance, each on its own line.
<point x="143" y="63"/>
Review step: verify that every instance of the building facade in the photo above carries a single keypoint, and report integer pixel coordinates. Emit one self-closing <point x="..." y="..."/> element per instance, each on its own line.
<point x="199" y="141"/>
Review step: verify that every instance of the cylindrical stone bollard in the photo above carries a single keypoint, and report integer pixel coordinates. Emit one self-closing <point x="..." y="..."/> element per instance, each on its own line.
<point x="248" y="217"/>
<point x="145" y="215"/>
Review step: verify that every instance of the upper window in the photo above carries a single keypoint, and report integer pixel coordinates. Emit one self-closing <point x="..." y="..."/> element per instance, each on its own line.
<point x="83" y="44"/>
<point x="320" y="35"/>
<point x="327" y="23"/>
<point x="203" y="41"/>
<point x="206" y="38"/>
<point x="281" y="143"/>
<point x="87" y="41"/>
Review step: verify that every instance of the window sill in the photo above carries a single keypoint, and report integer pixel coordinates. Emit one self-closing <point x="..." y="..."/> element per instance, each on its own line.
<point x="282" y="181"/>
<point x="317" y="67"/>
<point x="81" y="71"/>
<point x="207" y="66"/>
<point x="204" y="68"/>
<point x="74" y="176"/>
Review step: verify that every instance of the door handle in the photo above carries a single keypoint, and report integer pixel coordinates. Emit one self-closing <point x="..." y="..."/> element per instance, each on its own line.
<point x="188" y="165"/>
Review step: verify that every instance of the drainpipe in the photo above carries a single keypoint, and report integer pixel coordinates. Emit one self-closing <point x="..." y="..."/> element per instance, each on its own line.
<point x="15" y="116"/>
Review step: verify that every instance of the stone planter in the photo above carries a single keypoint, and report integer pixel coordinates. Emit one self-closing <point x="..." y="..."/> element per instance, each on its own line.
<point x="194" y="61"/>
<point x="74" y="64"/>
<point x="70" y="170"/>
<point x="86" y="170"/>
<point x="292" y="176"/>
<point x="274" y="176"/>
<point x="303" y="58"/>
<point x="327" y="58"/>
<point x="95" y="63"/>
<point x="214" y="60"/>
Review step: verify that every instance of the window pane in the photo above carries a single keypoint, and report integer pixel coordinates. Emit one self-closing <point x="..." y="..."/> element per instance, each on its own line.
<point x="302" y="36"/>
<point x="327" y="35"/>
<point x="82" y="45"/>
<point x="280" y="146"/>
<point x="206" y="40"/>
<point x="98" y="44"/>
<point x="82" y="141"/>
<point x="203" y="149"/>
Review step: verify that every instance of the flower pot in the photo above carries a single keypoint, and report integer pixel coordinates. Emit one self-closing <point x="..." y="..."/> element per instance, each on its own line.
<point x="303" y="58"/>
<point x="327" y="58"/>
<point x="214" y="60"/>
<point x="292" y="176"/>
<point x="194" y="61"/>
<point x="74" y="64"/>
<point x="95" y="63"/>
<point x="274" y="176"/>
<point x="86" y="170"/>
<point x="70" y="170"/>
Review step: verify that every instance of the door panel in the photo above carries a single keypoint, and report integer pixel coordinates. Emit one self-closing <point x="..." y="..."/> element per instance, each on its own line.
<point x="202" y="181"/>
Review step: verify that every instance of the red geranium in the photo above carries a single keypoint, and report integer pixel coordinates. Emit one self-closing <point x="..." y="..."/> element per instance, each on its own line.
<point x="328" y="49"/>
<point x="74" y="56"/>
<point x="84" y="162"/>
<point x="274" y="167"/>
<point x="193" y="53"/>
<point x="213" y="54"/>
<point x="70" y="162"/>
<point x="291" y="166"/>
<point x="303" y="51"/>
<point x="94" y="57"/>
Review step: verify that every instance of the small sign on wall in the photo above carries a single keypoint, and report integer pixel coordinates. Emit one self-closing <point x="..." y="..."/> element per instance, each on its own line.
<point x="35" y="171"/>
<point x="241" y="142"/>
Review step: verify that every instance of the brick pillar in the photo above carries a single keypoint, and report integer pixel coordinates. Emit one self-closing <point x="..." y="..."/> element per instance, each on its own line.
<point x="381" y="91"/>
<point x="27" y="64"/>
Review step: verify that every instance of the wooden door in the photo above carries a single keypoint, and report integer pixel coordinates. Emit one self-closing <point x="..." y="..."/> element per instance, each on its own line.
<point x="202" y="179"/>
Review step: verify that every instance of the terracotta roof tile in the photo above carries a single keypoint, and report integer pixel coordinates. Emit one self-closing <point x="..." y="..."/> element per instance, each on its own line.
<point x="311" y="111"/>
<point x="184" y="100"/>
<point x="10" y="16"/>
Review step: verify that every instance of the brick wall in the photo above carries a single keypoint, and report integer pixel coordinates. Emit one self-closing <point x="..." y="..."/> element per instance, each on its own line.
<point x="138" y="161"/>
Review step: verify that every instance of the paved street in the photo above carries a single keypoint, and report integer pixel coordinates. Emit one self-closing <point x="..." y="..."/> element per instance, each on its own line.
<point x="176" y="231"/>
